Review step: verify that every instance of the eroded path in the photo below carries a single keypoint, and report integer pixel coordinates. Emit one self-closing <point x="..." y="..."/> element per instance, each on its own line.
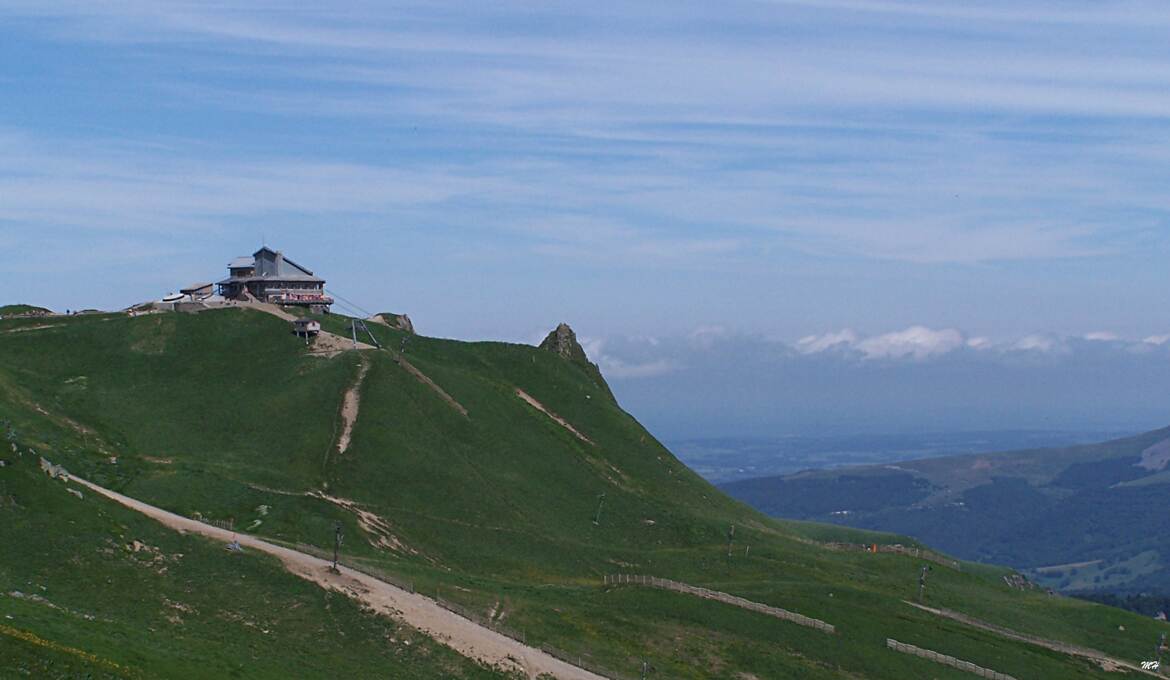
<point x="381" y="535"/>
<point x="528" y="399"/>
<point x="350" y="405"/>
<point x="422" y="377"/>
<point x="463" y="635"/>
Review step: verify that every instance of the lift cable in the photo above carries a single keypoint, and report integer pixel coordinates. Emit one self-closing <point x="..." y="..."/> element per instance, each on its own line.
<point x="350" y="303"/>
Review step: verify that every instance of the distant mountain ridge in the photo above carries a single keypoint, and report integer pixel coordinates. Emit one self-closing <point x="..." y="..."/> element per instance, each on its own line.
<point x="722" y="460"/>
<point x="1089" y="517"/>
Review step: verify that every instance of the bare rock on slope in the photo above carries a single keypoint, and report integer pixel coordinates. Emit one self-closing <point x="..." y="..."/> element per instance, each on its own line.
<point x="400" y="321"/>
<point x="563" y="342"/>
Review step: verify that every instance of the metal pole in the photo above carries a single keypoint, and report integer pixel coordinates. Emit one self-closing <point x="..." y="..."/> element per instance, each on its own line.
<point x="922" y="582"/>
<point x="370" y="333"/>
<point x="597" y="515"/>
<point x="337" y="536"/>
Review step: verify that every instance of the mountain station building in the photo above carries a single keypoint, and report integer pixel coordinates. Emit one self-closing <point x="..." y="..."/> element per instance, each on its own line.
<point x="269" y="276"/>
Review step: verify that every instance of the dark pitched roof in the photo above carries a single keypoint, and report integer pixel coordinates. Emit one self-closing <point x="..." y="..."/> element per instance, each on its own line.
<point x="284" y="258"/>
<point x="304" y="269"/>
<point x="271" y="279"/>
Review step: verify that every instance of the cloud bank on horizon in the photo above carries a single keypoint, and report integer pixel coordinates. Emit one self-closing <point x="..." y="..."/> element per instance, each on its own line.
<point x="724" y="383"/>
<point x="646" y="356"/>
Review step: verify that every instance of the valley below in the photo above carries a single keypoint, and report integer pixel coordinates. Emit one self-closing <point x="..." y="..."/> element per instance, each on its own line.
<point x="1084" y="518"/>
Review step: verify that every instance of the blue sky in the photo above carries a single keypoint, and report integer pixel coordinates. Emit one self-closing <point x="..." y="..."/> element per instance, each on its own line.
<point x="989" y="171"/>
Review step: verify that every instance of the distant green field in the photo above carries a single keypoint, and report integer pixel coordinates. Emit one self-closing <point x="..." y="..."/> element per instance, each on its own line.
<point x="226" y="415"/>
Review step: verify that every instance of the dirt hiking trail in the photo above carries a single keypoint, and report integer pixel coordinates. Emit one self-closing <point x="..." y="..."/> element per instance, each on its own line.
<point x="462" y="635"/>
<point x="350" y="405"/>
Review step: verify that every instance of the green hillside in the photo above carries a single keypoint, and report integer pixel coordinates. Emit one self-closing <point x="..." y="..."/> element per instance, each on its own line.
<point x="91" y="589"/>
<point x="1080" y="518"/>
<point x="504" y="479"/>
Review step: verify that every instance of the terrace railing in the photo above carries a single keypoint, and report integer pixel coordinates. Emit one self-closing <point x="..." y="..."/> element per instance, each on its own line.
<point x="290" y="298"/>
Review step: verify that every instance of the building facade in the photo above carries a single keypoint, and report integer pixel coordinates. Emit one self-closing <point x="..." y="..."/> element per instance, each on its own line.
<point x="269" y="276"/>
<point x="197" y="291"/>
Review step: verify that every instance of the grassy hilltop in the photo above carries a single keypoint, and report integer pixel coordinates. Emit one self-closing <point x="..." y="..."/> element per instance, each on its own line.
<point x="22" y="310"/>
<point x="474" y="472"/>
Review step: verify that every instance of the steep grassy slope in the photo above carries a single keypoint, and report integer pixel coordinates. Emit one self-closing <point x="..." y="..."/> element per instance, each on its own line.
<point x="1080" y="518"/>
<point x="90" y="589"/>
<point x="225" y="414"/>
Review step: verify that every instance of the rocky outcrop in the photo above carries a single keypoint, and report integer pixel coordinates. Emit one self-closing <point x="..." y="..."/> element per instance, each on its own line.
<point x="54" y="471"/>
<point x="562" y="341"/>
<point x="400" y="321"/>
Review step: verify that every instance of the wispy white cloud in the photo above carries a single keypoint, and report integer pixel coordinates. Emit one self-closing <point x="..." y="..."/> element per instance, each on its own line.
<point x="661" y="69"/>
<point x="920" y="343"/>
<point x="112" y="186"/>
<point x="707" y="336"/>
<point x="729" y="374"/>
<point x="812" y="344"/>
<point x="1102" y="336"/>
<point x="726" y="140"/>
<point x="663" y="125"/>
<point x="1133" y="14"/>
<point x="1037" y="343"/>
<point x="916" y="342"/>
<point x="625" y="368"/>
<point x="920" y="378"/>
<point x="616" y="368"/>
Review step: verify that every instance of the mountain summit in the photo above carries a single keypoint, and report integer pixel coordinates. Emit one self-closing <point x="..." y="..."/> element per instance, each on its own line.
<point x="563" y="341"/>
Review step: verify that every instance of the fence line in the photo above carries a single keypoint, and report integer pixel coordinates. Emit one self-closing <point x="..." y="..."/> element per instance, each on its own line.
<point x="667" y="584"/>
<point x="899" y="549"/>
<point x="229" y="524"/>
<point x="1063" y="647"/>
<point x="946" y="660"/>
